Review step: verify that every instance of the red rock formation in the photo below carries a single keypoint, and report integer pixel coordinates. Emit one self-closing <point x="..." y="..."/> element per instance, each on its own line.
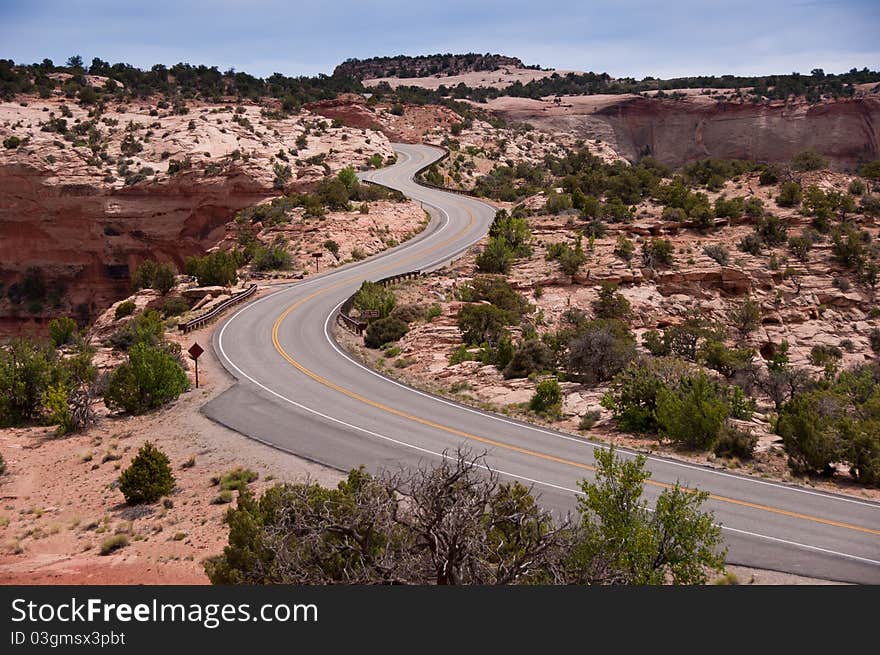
<point x="845" y="131"/>
<point x="86" y="239"/>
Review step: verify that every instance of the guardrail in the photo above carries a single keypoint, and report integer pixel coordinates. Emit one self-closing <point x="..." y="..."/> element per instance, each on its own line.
<point x="219" y="309"/>
<point x="344" y="319"/>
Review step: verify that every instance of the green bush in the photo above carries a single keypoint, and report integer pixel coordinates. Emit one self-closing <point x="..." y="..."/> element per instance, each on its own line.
<point x="657" y="252"/>
<point x="55" y="402"/>
<point x="808" y="160"/>
<point x="692" y="414"/>
<point x="165" y="279"/>
<point x="530" y="356"/>
<point x="790" y="194"/>
<point x="11" y="142"/>
<point x="375" y="297"/>
<point x="482" y="323"/>
<point x="27" y="368"/>
<point x="633" y="393"/>
<point x="149" y="379"/>
<point x="62" y="331"/>
<point x="735" y="442"/>
<point x="496" y="257"/>
<point x="175" y="306"/>
<point x="601" y="349"/>
<point x="384" y="330"/>
<point x="512" y="230"/>
<point x="808" y="425"/>
<point x="499" y="292"/>
<point x="611" y="304"/>
<point x="214" y="269"/>
<point x="275" y="257"/>
<point x="124" y="309"/>
<point x="146" y="328"/>
<point x="547" y="399"/>
<point x="148" y="478"/>
<point x="236" y="480"/>
<point x="2" y="465"/>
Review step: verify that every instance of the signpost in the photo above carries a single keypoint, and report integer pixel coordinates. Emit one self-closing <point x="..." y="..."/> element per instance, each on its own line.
<point x="317" y="256"/>
<point x="195" y="351"/>
<point x="370" y="313"/>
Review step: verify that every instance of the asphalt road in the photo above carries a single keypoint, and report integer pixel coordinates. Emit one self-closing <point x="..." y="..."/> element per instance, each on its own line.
<point x="299" y="392"/>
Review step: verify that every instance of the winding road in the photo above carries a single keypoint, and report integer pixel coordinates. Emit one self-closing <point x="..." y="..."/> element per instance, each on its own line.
<point x="299" y="392"/>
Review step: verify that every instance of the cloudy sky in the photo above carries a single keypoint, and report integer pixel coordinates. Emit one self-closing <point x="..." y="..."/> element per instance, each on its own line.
<point x="622" y="37"/>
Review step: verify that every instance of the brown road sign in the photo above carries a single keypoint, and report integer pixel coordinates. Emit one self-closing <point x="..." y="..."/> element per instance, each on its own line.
<point x="195" y="351"/>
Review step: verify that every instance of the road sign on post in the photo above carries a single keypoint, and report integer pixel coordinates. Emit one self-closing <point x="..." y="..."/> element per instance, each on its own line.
<point x="195" y="351"/>
<point x="317" y="256"/>
<point x="370" y="313"/>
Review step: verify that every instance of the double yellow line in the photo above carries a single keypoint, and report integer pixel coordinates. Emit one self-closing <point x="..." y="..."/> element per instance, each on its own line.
<point x="494" y="442"/>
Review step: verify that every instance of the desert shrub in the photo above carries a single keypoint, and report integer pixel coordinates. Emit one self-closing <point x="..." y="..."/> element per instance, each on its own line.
<point x="11" y="142"/>
<point x="800" y="246"/>
<point x="333" y="247"/>
<point x="499" y="292"/>
<point x="657" y="252"/>
<point x="754" y="207"/>
<point x="808" y="160"/>
<point x="624" y="248"/>
<point x="150" y="378"/>
<point x="62" y="331"/>
<point x="482" y="323"/>
<point x="408" y="313"/>
<point x="164" y="279"/>
<point x="214" y="269"/>
<point x="112" y="544"/>
<point x="734" y="441"/>
<point x="161" y="277"/>
<point x="633" y="393"/>
<point x="751" y="243"/>
<point x="175" y="306"/>
<point x="727" y="361"/>
<point x="384" y="330"/>
<point x="547" y="399"/>
<point x="530" y="356"/>
<point x="848" y="246"/>
<point x="588" y="420"/>
<point x="693" y="413"/>
<point x="274" y="257"/>
<point x="375" y="297"/>
<point x="2" y="465"/>
<point x="235" y="480"/>
<point x="124" y="309"/>
<point x="601" y="349"/>
<point x="745" y="317"/>
<point x="148" y="478"/>
<point x="27" y="368"/>
<point x="732" y="208"/>
<point x="808" y="427"/>
<point x="570" y="258"/>
<point x="610" y="303"/>
<point x="771" y="230"/>
<point x="769" y="175"/>
<point x="870" y="204"/>
<point x="856" y="187"/>
<point x="146" y="328"/>
<point x="496" y="257"/>
<point x="790" y="194"/>
<point x="513" y="230"/>
<point x="685" y="339"/>
<point x="718" y="252"/>
<point x="822" y="355"/>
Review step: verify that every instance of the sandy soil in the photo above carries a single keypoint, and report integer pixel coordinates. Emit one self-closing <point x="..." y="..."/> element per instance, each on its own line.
<point x="60" y="501"/>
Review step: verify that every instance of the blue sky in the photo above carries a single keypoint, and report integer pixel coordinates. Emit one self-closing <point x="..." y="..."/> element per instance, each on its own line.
<point x="626" y="37"/>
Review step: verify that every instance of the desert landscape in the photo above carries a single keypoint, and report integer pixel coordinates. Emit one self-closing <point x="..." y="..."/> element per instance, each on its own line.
<point x="714" y="243"/>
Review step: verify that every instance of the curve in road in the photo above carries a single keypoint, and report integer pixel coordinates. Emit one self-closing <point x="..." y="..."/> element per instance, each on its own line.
<point x="299" y="392"/>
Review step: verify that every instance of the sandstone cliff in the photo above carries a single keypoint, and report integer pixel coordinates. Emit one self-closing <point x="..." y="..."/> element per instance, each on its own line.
<point x="83" y="202"/>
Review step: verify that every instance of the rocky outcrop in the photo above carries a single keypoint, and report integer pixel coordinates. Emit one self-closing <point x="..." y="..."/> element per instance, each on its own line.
<point x="84" y="198"/>
<point x="845" y="131"/>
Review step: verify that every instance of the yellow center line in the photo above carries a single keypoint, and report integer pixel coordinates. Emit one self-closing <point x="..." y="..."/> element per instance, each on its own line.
<point x="493" y="442"/>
